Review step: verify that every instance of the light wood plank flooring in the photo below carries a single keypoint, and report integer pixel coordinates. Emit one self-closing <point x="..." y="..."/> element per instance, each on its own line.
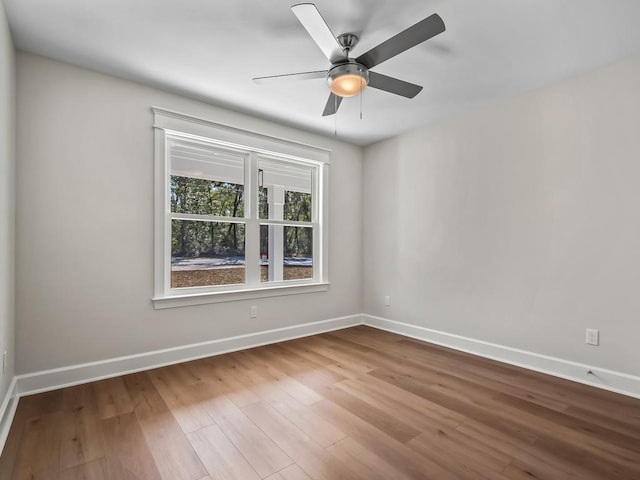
<point x="357" y="404"/>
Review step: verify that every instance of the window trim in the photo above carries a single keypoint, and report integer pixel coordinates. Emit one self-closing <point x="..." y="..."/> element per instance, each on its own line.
<point x="170" y="125"/>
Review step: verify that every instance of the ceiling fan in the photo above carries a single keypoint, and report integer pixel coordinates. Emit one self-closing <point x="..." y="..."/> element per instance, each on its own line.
<point x="348" y="77"/>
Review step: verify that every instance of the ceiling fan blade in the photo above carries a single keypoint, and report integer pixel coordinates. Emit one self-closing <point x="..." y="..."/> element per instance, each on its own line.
<point x="313" y="22"/>
<point x="332" y="105"/>
<point x="412" y="36"/>
<point x="293" y="76"/>
<point x="393" y="85"/>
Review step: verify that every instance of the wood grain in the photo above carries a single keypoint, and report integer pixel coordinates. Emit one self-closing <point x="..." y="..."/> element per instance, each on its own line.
<point x="39" y="454"/>
<point x="94" y="470"/>
<point x="183" y="399"/>
<point x="292" y="472"/>
<point x="310" y="456"/>
<point x="173" y="453"/>
<point x="112" y="397"/>
<point x="81" y="440"/>
<point x="220" y="457"/>
<point x="352" y="404"/>
<point x="262" y="453"/>
<point x="128" y="454"/>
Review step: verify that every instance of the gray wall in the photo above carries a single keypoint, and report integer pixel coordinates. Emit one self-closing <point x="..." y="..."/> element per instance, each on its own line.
<point x="85" y="224"/>
<point x="518" y="224"/>
<point x="7" y="203"/>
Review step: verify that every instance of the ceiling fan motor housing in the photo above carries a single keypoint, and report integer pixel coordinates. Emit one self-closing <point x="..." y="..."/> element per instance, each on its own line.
<point x="348" y="79"/>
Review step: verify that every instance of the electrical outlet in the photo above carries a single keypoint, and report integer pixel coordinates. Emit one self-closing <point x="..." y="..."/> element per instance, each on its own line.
<point x="387" y="301"/>
<point x="254" y="311"/>
<point x="593" y="336"/>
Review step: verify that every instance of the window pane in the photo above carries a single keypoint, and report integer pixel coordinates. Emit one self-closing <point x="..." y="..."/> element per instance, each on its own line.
<point x="298" y="252"/>
<point x="206" y="197"/>
<point x="206" y="180"/>
<point x="287" y="190"/>
<point x="263" y="203"/>
<point x="264" y="253"/>
<point x="207" y="253"/>
<point x="297" y="206"/>
<point x="286" y="253"/>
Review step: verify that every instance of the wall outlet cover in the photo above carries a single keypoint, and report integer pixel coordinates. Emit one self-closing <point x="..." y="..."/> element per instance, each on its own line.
<point x="593" y="336"/>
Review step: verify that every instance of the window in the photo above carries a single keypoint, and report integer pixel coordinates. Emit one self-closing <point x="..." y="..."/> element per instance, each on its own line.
<point x="238" y="214"/>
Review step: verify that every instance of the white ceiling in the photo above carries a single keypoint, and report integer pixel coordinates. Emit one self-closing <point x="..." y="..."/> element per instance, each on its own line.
<point x="210" y="50"/>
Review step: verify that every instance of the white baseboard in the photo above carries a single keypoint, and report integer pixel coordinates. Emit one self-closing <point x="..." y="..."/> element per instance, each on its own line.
<point x="7" y="411"/>
<point x="46" y="380"/>
<point x="602" y="378"/>
<point x="53" y="379"/>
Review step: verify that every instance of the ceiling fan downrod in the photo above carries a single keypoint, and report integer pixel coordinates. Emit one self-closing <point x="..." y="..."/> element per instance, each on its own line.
<point x="348" y="42"/>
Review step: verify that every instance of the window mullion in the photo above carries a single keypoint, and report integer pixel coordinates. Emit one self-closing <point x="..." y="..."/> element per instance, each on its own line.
<point x="287" y="223"/>
<point x="196" y="217"/>
<point x="162" y="172"/>
<point x="252" y="232"/>
<point x="316" y="217"/>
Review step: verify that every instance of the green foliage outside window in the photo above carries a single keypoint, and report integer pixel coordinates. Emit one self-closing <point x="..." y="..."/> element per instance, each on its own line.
<point x="205" y="197"/>
<point x="298" y="241"/>
<point x="211" y="239"/>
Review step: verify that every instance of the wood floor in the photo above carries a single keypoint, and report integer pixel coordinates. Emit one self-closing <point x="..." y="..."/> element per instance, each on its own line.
<point x="354" y="404"/>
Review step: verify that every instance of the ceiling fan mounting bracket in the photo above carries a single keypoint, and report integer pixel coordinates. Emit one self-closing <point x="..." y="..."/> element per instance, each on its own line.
<point x="348" y="41"/>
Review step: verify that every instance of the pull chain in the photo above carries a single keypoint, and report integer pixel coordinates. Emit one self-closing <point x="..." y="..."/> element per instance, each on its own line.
<point x="361" y="95"/>
<point x="335" y="115"/>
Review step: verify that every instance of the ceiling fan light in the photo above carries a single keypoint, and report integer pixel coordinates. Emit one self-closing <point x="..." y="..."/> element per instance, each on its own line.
<point x="348" y="85"/>
<point x="348" y="80"/>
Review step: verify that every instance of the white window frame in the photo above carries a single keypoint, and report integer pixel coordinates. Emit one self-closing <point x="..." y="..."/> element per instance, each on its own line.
<point x="173" y="127"/>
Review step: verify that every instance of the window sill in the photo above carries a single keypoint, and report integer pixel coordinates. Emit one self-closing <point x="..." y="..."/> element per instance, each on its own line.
<point x="174" y="301"/>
